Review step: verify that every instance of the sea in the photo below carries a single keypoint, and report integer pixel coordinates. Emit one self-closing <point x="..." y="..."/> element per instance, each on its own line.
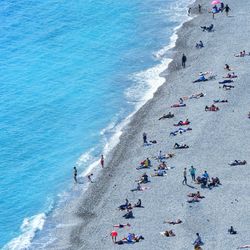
<point x="72" y="73"/>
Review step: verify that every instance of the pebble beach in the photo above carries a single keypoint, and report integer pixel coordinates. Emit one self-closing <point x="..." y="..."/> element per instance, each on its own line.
<point x="216" y="139"/>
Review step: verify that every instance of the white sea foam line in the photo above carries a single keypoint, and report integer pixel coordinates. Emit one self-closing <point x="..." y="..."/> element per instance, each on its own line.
<point x="28" y="229"/>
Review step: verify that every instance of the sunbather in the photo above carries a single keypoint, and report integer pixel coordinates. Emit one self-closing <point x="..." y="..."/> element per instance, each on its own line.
<point x="178" y="146"/>
<point x="169" y="115"/>
<point x="225" y="81"/>
<point x="198" y="95"/>
<point x="208" y="29"/>
<point x="194" y="199"/>
<point x="178" y="221"/>
<point x="122" y="225"/>
<point x="227" y="67"/>
<point x="220" y="101"/>
<point x="181" y="123"/>
<point x="128" y="215"/>
<point x="201" y="78"/>
<point x="199" y="45"/>
<point x="144" y="164"/>
<point x="231" y="230"/>
<point x="227" y="87"/>
<point x="138" y="203"/>
<point x="169" y="233"/>
<point x="212" y="108"/>
<point x="124" y="206"/>
<point x="215" y="181"/>
<point x="196" y="194"/>
<point x="229" y="75"/>
<point x="237" y="162"/>
<point x="178" y="105"/>
<point x="138" y="188"/>
<point x="159" y="172"/>
<point x="169" y="155"/>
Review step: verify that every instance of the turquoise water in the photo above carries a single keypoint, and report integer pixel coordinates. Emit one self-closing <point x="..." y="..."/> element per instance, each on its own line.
<point x="70" y="71"/>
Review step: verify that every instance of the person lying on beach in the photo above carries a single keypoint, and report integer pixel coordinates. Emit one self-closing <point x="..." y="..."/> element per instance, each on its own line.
<point x="178" y="105"/>
<point x="122" y="225"/>
<point x="212" y="108"/>
<point x="197" y="247"/>
<point x="178" y="221"/>
<point x="153" y="141"/>
<point x="231" y="230"/>
<point x="220" y="101"/>
<point x="201" y="78"/>
<point x="199" y="45"/>
<point x="138" y="203"/>
<point x="181" y="123"/>
<point x="167" y="233"/>
<point x="194" y="199"/>
<point x="132" y="238"/>
<point x="226" y="81"/>
<point x="144" y="178"/>
<point x="169" y="115"/>
<point x="159" y="172"/>
<point x="128" y="215"/>
<point x="145" y="164"/>
<point x="237" y="162"/>
<point x="242" y="54"/>
<point x="180" y="131"/>
<point x="227" y="67"/>
<point x="245" y="246"/>
<point x="229" y="75"/>
<point x="138" y="188"/>
<point x="162" y="166"/>
<point x="198" y="95"/>
<point x="227" y="87"/>
<point x="215" y="181"/>
<point x="196" y="194"/>
<point x="124" y="206"/>
<point x="208" y="29"/>
<point x="178" y="146"/>
<point x="171" y="155"/>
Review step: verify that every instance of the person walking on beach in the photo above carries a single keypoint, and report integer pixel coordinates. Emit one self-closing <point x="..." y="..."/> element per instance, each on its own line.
<point x="144" y="136"/>
<point x="199" y="8"/>
<point x="183" y="60"/>
<point x="89" y="177"/>
<point x="189" y="11"/>
<point x="184" y="182"/>
<point x="192" y="171"/>
<point x="102" y="161"/>
<point x="227" y="9"/>
<point x="75" y="174"/>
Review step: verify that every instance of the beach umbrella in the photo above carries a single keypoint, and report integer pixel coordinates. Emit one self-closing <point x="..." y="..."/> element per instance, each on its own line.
<point x="215" y="2"/>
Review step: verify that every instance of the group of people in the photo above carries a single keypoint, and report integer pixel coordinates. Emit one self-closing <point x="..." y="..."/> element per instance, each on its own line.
<point x="204" y="180"/>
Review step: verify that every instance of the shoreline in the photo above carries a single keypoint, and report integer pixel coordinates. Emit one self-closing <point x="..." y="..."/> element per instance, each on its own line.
<point x="113" y="184"/>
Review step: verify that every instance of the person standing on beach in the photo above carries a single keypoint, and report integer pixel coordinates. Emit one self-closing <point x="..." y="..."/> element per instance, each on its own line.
<point x="183" y="60"/>
<point x="113" y="235"/>
<point x="192" y="171"/>
<point x="184" y="182"/>
<point x="189" y="11"/>
<point x="144" y="136"/>
<point x="227" y="9"/>
<point x="199" y="8"/>
<point x="102" y="161"/>
<point x="75" y="174"/>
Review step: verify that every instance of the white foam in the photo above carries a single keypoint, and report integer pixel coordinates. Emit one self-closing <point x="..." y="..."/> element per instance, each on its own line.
<point x="28" y="229"/>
